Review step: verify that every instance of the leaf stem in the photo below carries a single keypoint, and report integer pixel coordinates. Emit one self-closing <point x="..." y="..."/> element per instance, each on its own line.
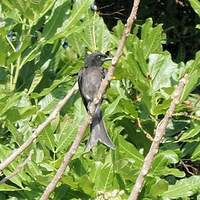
<point x="11" y="75"/>
<point x="15" y="77"/>
<point x="11" y="44"/>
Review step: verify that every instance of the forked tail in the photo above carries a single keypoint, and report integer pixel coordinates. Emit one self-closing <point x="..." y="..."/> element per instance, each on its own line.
<point x="98" y="132"/>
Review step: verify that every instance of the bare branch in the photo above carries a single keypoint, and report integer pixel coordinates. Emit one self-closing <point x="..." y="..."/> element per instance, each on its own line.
<point x="102" y="89"/>
<point x="39" y="129"/>
<point x="18" y="169"/>
<point x="159" y="133"/>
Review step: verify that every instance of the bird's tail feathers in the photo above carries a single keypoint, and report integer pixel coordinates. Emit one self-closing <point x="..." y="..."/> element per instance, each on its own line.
<point x="98" y="133"/>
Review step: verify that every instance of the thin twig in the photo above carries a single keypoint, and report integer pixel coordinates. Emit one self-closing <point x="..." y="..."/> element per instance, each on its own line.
<point x="186" y="167"/>
<point x="185" y="114"/>
<point x="39" y="129"/>
<point x="11" y="44"/>
<point x="180" y="3"/>
<point x="148" y="135"/>
<point x="159" y="133"/>
<point x="18" y="169"/>
<point x="104" y="84"/>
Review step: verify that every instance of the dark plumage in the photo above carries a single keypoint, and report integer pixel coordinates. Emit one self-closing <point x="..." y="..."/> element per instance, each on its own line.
<point x="89" y="81"/>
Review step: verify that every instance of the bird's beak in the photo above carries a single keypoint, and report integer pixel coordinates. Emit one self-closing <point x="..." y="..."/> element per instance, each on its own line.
<point x="107" y="58"/>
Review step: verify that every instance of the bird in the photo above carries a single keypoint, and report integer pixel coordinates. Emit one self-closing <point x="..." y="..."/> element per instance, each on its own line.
<point x="89" y="81"/>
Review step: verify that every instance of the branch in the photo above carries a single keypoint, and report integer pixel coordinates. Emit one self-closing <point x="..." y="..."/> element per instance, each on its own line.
<point x="18" y="169"/>
<point x="102" y="89"/>
<point x="39" y="129"/>
<point x="159" y="133"/>
<point x="148" y="135"/>
<point x="185" y="114"/>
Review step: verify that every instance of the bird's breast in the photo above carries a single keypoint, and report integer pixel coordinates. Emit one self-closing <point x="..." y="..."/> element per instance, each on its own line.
<point x="91" y="82"/>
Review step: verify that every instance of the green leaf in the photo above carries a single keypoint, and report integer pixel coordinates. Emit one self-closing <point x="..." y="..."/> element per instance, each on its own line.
<point x="183" y="188"/>
<point x="4" y="50"/>
<point x="112" y="107"/>
<point x="36" y="80"/>
<point x="5" y="187"/>
<point x="151" y="38"/>
<point x="131" y="69"/>
<point x="56" y="19"/>
<point x="95" y="36"/>
<point x="195" y="5"/>
<point x="158" y="188"/>
<point x="128" y="150"/>
<point x="27" y="111"/>
<point x="86" y="185"/>
<point x="39" y="154"/>
<point x="19" y="178"/>
<point x="32" y="10"/>
<point x="33" y="52"/>
<point x="96" y="170"/>
<point x="193" y="69"/>
<point x="162" y="70"/>
<point x="150" y="42"/>
<point x="25" y="44"/>
<point x="127" y="107"/>
<point x="40" y="8"/>
<point x="46" y="137"/>
<point x="161" y="162"/>
<point x="68" y="127"/>
<point x="48" y="90"/>
<point x="106" y="174"/>
<point x="196" y="153"/>
<point x="192" y="132"/>
<point x="13" y="130"/>
<point x="3" y="75"/>
<point x="66" y="134"/>
<point x="60" y="25"/>
<point x="166" y="171"/>
<point x="9" y="102"/>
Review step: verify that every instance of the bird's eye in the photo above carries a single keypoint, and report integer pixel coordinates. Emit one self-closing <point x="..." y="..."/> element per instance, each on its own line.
<point x="99" y="57"/>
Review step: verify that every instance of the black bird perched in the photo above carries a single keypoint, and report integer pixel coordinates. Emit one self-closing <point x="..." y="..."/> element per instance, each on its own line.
<point x="89" y="81"/>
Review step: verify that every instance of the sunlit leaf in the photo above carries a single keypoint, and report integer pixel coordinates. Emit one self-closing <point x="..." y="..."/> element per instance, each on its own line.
<point x="183" y="188"/>
<point x="196" y="6"/>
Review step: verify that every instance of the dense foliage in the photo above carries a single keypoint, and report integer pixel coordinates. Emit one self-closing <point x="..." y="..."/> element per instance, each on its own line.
<point x="42" y="48"/>
<point x="179" y="21"/>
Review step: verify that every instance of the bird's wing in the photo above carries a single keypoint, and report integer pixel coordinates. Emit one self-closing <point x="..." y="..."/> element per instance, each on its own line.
<point x="80" y="74"/>
<point x="80" y="78"/>
<point x="105" y="71"/>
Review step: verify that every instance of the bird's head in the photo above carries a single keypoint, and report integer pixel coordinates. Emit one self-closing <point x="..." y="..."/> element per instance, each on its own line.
<point x="96" y="59"/>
